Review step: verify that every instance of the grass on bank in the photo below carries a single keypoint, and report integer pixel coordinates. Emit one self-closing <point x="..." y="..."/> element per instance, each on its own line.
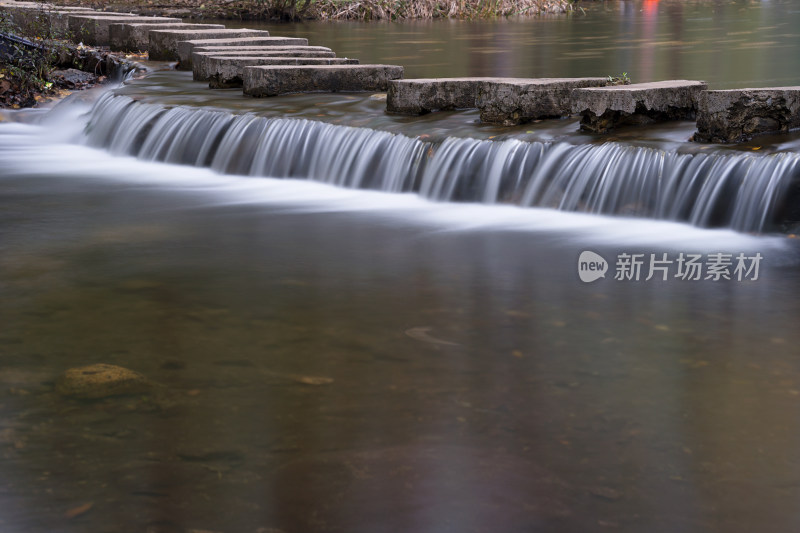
<point x="23" y="73"/>
<point x="366" y="10"/>
<point x="419" y="9"/>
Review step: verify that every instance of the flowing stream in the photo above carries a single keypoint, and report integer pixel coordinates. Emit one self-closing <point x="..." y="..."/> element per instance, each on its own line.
<point x="368" y="323"/>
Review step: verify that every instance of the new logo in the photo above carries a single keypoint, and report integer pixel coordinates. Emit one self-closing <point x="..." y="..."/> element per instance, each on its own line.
<point x="591" y="266"/>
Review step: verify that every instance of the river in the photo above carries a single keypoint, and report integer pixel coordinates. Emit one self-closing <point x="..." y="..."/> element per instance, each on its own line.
<point x="338" y="352"/>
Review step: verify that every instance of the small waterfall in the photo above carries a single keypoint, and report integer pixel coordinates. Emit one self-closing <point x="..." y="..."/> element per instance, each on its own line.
<point x="746" y="192"/>
<point x="735" y="190"/>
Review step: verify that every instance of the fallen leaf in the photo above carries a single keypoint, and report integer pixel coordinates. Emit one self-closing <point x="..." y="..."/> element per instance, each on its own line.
<point x="313" y="380"/>
<point x="606" y="493"/>
<point x="77" y="511"/>
<point x="421" y="334"/>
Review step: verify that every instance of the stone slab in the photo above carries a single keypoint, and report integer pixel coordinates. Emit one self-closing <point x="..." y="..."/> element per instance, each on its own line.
<point x="93" y="29"/>
<point x="420" y="96"/>
<point x="60" y="20"/>
<point x="226" y="72"/>
<point x="163" y="44"/>
<point x="275" y="80"/>
<point x="513" y="101"/>
<point x="603" y="109"/>
<point x="31" y="21"/>
<point x="736" y="115"/>
<point x="246" y="49"/>
<point x="135" y="37"/>
<point x="41" y="7"/>
<point x="186" y="48"/>
<point x="204" y="66"/>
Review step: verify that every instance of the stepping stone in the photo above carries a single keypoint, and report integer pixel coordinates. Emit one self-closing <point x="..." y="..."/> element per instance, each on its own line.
<point x="93" y="29"/>
<point x="272" y="81"/>
<point x="603" y="109"/>
<point x="135" y="36"/>
<point x="502" y="100"/>
<point x="35" y="6"/>
<point x="203" y="67"/>
<point x="32" y="20"/>
<point x="514" y="101"/>
<point x="420" y="96"/>
<point x="230" y="50"/>
<point x="225" y="72"/>
<point x="738" y="114"/>
<point x="186" y="48"/>
<point x="163" y="44"/>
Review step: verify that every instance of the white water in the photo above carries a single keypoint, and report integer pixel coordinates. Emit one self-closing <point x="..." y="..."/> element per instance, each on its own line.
<point x="49" y="149"/>
<point x="741" y="191"/>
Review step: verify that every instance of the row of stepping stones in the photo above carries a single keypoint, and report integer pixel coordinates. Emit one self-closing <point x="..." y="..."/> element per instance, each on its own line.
<point x="265" y="65"/>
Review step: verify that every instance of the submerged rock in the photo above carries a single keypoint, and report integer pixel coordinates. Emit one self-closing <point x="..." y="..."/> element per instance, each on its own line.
<point x="98" y="381"/>
<point x="73" y="77"/>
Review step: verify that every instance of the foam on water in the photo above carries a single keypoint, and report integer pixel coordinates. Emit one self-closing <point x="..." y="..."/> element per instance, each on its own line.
<point x="30" y="151"/>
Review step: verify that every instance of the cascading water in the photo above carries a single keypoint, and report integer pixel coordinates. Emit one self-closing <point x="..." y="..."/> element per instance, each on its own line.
<point x="746" y="192"/>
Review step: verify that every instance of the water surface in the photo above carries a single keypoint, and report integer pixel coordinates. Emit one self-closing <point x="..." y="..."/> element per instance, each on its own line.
<point x="344" y="360"/>
<point x="728" y="44"/>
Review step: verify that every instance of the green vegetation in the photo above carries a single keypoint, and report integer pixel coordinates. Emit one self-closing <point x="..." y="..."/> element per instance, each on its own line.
<point x="28" y="62"/>
<point x="24" y="70"/>
<point x="623" y="79"/>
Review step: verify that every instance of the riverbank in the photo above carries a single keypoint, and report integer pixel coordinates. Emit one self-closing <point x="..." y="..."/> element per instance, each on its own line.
<point x="331" y="9"/>
<point x="37" y="72"/>
<point x="21" y="87"/>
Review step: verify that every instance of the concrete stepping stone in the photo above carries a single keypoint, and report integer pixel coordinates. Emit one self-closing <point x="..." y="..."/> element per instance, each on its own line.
<point x="135" y="36"/>
<point x="603" y="109"/>
<point x="93" y="28"/>
<point x="420" y="96"/>
<point x="514" y="101"/>
<point x="501" y="100"/>
<point x="736" y="115"/>
<point x="226" y="72"/>
<point x="37" y="6"/>
<point x="186" y="48"/>
<point x="163" y="45"/>
<point x="204" y="64"/>
<point x="32" y="20"/>
<point x="231" y="50"/>
<point x="275" y="80"/>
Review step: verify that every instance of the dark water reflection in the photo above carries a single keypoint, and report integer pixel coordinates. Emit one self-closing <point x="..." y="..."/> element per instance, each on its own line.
<point x="729" y="44"/>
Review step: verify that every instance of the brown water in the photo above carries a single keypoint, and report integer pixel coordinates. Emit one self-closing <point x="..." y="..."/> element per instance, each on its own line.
<point x="728" y="44"/>
<point x="347" y="361"/>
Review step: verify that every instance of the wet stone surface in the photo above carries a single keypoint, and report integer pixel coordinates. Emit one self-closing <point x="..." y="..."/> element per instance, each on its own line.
<point x="604" y="109"/>
<point x="273" y="81"/>
<point x="739" y="114"/>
